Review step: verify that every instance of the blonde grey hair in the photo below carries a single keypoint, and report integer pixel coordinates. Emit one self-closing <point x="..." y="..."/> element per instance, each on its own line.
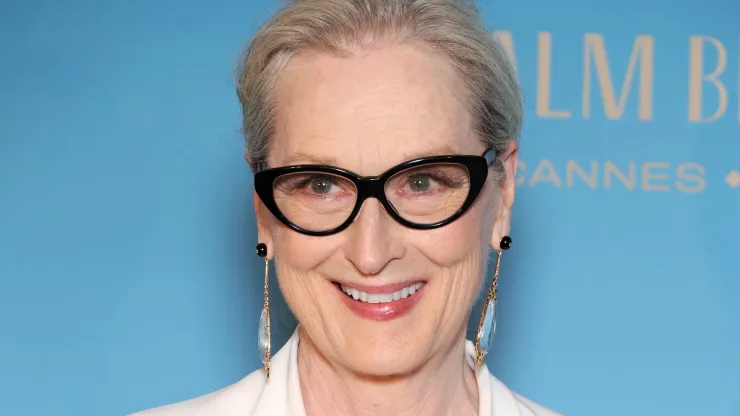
<point x="452" y="28"/>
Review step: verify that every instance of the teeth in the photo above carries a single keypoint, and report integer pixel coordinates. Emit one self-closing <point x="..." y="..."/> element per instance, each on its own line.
<point x="381" y="297"/>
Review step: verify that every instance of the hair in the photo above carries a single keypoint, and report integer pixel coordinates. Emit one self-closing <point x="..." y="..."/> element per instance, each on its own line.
<point x="451" y="28"/>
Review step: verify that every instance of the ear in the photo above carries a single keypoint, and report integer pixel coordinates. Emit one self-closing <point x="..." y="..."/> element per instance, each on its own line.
<point x="264" y="220"/>
<point x="248" y="158"/>
<point x="507" y="191"/>
<point x="264" y="217"/>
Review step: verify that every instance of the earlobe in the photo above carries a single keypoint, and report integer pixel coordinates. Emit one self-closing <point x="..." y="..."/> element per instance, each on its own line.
<point x="501" y="227"/>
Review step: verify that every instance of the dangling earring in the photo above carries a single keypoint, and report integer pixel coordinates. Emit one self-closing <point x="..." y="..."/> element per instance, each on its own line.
<point x="263" y="335"/>
<point x="487" y="322"/>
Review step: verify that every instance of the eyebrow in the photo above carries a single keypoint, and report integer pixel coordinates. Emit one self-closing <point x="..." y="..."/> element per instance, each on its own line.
<point x="435" y="151"/>
<point x="305" y="158"/>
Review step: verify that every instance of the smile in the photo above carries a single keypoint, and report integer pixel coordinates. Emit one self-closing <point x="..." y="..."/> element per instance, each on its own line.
<point x="361" y="296"/>
<point x="381" y="303"/>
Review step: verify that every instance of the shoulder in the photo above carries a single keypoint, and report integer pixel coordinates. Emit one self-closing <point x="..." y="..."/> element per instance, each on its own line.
<point x="504" y="401"/>
<point x="252" y="395"/>
<point x="496" y="399"/>
<point x="530" y="408"/>
<point x="237" y="399"/>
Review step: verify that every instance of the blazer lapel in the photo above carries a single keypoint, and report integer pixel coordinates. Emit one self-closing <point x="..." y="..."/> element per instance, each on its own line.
<point x="494" y="398"/>
<point x="282" y="393"/>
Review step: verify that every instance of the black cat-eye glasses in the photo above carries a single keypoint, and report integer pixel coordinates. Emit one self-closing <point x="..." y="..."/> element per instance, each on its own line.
<point x="423" y="193"/>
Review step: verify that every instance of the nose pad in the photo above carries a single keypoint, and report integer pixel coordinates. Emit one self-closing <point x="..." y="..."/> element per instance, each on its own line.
<point x="371" y="200"/>
<point x="372" y="211"/>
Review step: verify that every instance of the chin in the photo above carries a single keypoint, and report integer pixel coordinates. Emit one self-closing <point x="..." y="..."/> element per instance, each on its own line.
<point x="386" y="349"/>
<point x="383" y="361"/>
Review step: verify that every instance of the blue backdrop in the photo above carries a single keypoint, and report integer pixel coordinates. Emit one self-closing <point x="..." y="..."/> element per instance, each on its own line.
<point x="127" y="274"/>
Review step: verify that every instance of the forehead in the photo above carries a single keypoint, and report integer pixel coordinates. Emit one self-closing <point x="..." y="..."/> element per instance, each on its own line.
<point x="370" y="111"/>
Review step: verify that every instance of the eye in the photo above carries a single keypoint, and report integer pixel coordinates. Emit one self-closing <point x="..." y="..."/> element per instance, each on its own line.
<point x="321" y="185"/>
<point x="433" y="180"/>
<point x="418" y="183"/>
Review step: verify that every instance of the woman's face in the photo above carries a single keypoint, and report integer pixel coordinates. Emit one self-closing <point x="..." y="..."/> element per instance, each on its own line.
<point x="366" y="114"/>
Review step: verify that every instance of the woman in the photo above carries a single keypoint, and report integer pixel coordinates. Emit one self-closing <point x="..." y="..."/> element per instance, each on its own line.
<point x="382" y="137"/>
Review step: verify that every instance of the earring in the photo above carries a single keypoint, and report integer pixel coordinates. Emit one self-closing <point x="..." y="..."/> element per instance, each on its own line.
<point x="263" y="335"/>
<point x="487" y="321"/>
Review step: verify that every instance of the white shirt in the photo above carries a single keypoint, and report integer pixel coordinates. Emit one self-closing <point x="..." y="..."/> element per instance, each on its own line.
<point x="281" y="396"/>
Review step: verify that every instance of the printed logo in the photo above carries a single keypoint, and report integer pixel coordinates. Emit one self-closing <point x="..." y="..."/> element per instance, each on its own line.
<point x="707" y="98"/>
<point x="687" y="177"/>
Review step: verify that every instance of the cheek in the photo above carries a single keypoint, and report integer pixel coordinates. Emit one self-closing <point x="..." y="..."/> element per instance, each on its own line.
<point x="466" y="239"/>
<point x="296" y="257"/>
<point x="300" y="253"/>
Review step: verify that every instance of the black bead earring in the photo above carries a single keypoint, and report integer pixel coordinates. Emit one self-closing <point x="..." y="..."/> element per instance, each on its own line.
<point x="506" y="243"/>
<point x="262" y="250"/>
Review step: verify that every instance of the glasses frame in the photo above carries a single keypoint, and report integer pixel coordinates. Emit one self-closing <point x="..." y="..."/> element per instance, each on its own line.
<point x="374" y="187"/>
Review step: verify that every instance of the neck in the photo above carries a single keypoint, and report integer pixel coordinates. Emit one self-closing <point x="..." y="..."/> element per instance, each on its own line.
<point x="446" y="385"/>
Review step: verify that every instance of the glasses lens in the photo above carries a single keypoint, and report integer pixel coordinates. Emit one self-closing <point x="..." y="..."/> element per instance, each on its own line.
<point x="430" y="193"/>
<point x="315" y="201"/>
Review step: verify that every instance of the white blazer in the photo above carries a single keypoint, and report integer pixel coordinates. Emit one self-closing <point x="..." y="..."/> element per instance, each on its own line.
<point x="281" y="396"/>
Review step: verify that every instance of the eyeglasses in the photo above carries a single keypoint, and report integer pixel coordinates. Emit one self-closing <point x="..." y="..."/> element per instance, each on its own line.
<point x="425" y="193"/>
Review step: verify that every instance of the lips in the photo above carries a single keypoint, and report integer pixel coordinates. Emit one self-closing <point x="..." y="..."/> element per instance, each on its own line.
<point x="380" y="303"/>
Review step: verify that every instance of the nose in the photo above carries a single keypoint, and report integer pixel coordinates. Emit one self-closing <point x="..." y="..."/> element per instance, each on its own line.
<point x="373" y="239"/>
